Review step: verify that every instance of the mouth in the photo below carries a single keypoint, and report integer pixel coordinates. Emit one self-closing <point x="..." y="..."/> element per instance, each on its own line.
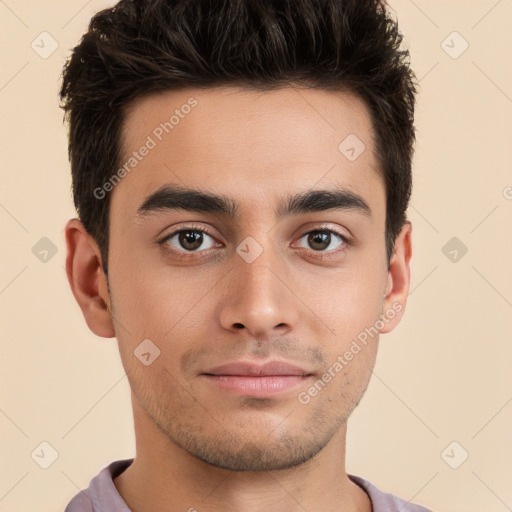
<point x="257" y="380"/>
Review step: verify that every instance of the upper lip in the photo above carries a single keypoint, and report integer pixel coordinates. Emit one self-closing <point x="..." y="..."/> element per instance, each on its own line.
<point x="257" y="370"/>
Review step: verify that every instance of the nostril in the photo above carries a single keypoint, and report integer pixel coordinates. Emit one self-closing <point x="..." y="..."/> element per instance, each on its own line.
<point x="239" y="325"/>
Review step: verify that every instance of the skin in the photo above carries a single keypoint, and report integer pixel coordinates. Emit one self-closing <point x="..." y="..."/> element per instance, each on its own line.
<point x="198" y="446"/>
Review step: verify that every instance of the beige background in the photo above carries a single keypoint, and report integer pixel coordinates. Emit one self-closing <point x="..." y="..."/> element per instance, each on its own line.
<point x="443" y="375"/>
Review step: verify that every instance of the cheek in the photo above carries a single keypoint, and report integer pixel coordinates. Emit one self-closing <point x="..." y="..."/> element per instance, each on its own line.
<point x="351" y="308"/>
<point x="348" y="305"/>
<point x="157" y="307"/>
<point x="349" y="298"/>
<point x="339" y="389"/>
<point x="154" y="302"/>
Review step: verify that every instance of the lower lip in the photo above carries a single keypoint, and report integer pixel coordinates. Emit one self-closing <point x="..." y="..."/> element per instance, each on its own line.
<point x="268" y="385"/>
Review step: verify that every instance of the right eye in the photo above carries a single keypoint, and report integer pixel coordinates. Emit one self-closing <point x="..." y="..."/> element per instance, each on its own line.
<point x="188" y="240"/>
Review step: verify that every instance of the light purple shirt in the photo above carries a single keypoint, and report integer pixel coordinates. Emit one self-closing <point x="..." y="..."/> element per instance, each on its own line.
<point x="102" y="495"/>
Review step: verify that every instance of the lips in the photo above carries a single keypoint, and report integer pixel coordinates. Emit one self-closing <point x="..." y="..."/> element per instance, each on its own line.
<point x="277" y="368"/>
<point x="257" y="380"/>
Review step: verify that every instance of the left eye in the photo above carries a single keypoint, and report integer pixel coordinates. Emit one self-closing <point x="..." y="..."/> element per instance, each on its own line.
<point x="319" y="240"/>
<point x="189" y="239"/>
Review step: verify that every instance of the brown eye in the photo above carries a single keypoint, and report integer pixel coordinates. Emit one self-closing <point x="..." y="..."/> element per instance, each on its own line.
<point x="189" y="240"/>
<point x="320" y="240"/>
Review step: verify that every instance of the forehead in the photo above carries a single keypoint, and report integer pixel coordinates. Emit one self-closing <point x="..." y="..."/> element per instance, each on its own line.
<point x="250" y="145"/>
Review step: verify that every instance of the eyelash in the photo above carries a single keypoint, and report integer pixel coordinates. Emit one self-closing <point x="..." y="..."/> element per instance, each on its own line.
<point x="192" y="254"/>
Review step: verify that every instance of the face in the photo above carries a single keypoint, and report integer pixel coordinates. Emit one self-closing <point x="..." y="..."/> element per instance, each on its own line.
<point x="253" y="299"/>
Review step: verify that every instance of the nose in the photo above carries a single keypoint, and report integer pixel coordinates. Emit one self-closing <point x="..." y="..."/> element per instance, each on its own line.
<point x="259" y="298"/>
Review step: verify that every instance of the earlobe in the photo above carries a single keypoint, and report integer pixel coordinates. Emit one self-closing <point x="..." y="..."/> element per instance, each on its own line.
<point x="87" y="280"/>
<point x="398" y="280"/>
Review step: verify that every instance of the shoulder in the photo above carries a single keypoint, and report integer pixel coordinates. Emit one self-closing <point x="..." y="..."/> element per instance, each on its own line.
<point x="101" y="495"/>
<point x="80" y="503"/>
<point x="384" y="501"/>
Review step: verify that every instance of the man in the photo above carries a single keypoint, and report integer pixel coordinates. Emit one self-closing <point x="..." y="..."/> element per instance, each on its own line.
<point x="241" y="169"/>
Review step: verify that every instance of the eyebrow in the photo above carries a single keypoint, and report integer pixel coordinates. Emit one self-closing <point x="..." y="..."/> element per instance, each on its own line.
<point x="171" y="197"/>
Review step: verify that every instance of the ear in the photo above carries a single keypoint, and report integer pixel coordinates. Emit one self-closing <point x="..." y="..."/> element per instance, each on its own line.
<point x="399" y="279"/>
<point x="87" y="279"/>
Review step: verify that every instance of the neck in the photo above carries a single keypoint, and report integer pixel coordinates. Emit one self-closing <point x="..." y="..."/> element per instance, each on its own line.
<point x="164" y="477"/>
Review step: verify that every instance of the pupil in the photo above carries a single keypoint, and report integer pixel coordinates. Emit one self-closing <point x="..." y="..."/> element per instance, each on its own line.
<point x="191" y="239"/>
<point x="321" y="238"/>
